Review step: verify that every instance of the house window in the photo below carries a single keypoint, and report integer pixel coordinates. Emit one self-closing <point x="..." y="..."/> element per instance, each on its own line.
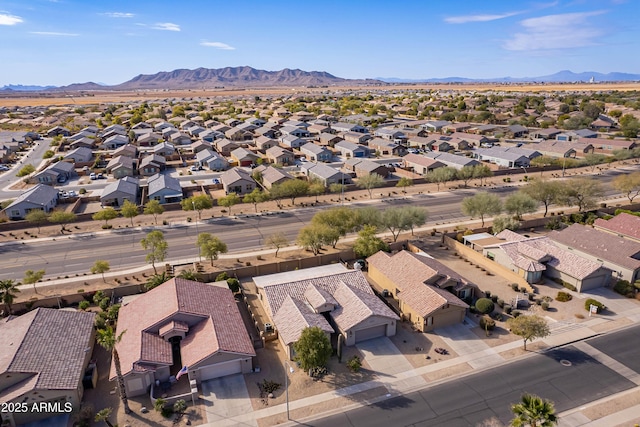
<point x="15" y="213"/>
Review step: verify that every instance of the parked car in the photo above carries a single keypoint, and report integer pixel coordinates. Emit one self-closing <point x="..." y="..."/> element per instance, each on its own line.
<point x="100" y="176"/>
<point x="72" y="193"/>
<point x="93" y="176"/>
<point x="412" y="151"/>
<point x="4" y="168"/>
<point x="62" y="179"/>
<point x="196" y="168"/>
<point x="216" y="180"/>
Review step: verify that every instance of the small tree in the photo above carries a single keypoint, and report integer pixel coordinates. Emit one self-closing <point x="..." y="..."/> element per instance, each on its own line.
<point x="129" y="210"/>
<point x="485" y="306"/>
<point x="153" y="207"/>
<point x="197" y="203"/>
<point x="368" y="243"/>
<point x="37" y="218"/>
<point x="369" y="182"/>
<point x="465" y="174"/>
<point x="529" y="327"/>
<point x="441" y="175"/>
<point x="100" y="267"/>
<point x="63" y="218"/>
<point x="229" y="201"/>
<point x="294" y="188"/>
<point x="26" y="170"/>
<point x="180" y="406"/>
<point x="629" y="184"/>
<point x="277" y="241"/>
<point x="106" y="215"/>
<point x="520" y="203"/>
<point x="481" y="172"/>
<point x="32" y="277"/>
<point x="533" y="411"/>
<point x="108" y="339"/>
<point x="396" y="221"/>
<point x="316" y="188"/>
<point x="545" y="192"/>
<point x="504" y="222"/>
<point x="582" y="192"/>
<point x="313" y="348"/>
<point x="314" y="236"/>
<point x="156" y="246"/>
<point x="404" y="182"/>
<point x="336" y="188"/>
<point x="481" y="204"/>
<point x="255" y="197"/>
<point x="210" y="246"/>
<point x="8" y="291"/>
<point x="103" y="415"/>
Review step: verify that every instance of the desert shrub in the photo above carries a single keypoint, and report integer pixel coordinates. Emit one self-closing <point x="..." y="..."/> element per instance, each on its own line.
<point x="515" y="313"/>
<point x="233" y="284"/>
<point x="500" y="303"/>
<point x="83" y="305"/>
<point x="569" y="286"/>
<point x="514" y="286"/>
<point x="507" y="308"/>
<point x="545" y="305"/>
<point x="487" y="294"/>
<point x="487" y="323"/>
<point x="623" y="287"/>
<point x="270" y="386"/>
<point x="523" y="289"/>
<point x="82" y="190"/>
<point x="104" y="303"/>
<point x="589" y="302"/>
<point x="354" y="364"/>
<point x="484" y="305"/>
<point x="222" y="277"/>
<point x="494" y="298"/>
<point x="563" y="297"/>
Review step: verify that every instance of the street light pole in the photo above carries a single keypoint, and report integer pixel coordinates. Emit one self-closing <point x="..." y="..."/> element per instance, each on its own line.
<point x="286" y="384"/>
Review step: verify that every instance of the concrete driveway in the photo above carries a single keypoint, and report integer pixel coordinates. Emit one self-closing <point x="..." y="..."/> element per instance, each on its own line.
<point x="464" y="342"/>
<point x="225" y="398"/>
<point x="383" y="357"/>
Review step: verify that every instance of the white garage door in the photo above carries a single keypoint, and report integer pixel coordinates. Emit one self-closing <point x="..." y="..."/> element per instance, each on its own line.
<point x="221" y="369"/>
<point x="372" y="332"/>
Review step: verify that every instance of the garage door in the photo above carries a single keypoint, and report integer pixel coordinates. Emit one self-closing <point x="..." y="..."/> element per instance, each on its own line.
<point x="221" y="369"/>
<point x="369" y="333"/>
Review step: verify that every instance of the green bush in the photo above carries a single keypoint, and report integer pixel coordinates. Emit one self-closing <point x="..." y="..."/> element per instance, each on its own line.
<point x="514" y="286"/>
<point x="222" y="277"/>
<point x="494" y="298"/>
<point x="48" y="154"/>
<point x="623" y="287"/>
<point x="588" y="303"/>
<point x="82" y="190"/>
<point x="487" y="294"/>
<point x="83" y="305"/>
<point x="507" y="308"/>
<point x="545" y="305"/>
<point x="487" y="323"/>
<point x="485" y="305"/>
<point x="515" y="313"/>
<point x="233" y="284"/>
<point x="500" y="303"/>
<point x="354" y="364"/>
<point x="563" y="297"/>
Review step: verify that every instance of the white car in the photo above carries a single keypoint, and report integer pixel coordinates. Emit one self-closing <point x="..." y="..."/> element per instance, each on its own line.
<point x="72" y="193"/>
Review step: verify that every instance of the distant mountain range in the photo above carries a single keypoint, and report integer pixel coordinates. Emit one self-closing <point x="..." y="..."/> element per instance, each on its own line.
<point x="238" y="77"/>
<point x="564" y="76"/>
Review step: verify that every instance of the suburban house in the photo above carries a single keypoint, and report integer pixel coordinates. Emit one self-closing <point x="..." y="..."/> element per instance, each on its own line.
<point x="295" y="131"/>
<point x="356" y="137"/>
<point x="128" y="150"/>
<point x="181" y="323"/>
<point x="115" y="193"/>
<point x="179" y="138"/>
<point x="58" y="131"/>
<point x="121" y="166"/>
<point x="622" y="225"/>
<point x="55" y="172"/>
<point x="243" y="157"/>
<point x="435" y="125"/>
<point x="316" y="153"/>
<point x="235" y="134"/>
<point x="348" y="127"/>
<point x="502" y="158"/>
<point x="152" y="164"/>
<point x="43" y="359"/>
<point x="292" y="141"/>
<point x="420" y="164"/>
<point x="562" y="148"/>
<point x="338" y="300"/>
<point x="264" y="142"/>
<point x="620" y="255"/>
<point x="164" y="188"/>
<point x="79" y="155"/>
<point x="390" y="134"/>
<point x="453" y="160"/>
<point x="164" y="149"/>
<point x="531" y="258"/>
<point x="384" y="147"/>
<point x="349" y="149"/>
<point x="549" y="133"/>
<point x="267" y="132"/>
<point x="272" y="176"/>
<point x="429" y="293"/>
<point x="363" y="167"/>
<point x="517" y="131"/>
<point x="237" y="181"/>
<point x="608" y="146"/>
<point x="40" y="197"/>
<point x="212" y="160"/>
<point x="329" y="139"/>
<point x="325" y="174"/>
<point x="280" y="156"/>
<point x="198" y="146"/>
<point x="114" y="142"/>
<point x="82" y="142"/>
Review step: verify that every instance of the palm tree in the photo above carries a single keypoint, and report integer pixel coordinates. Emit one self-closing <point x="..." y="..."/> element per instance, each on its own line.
<point x="156" y="280"/>
<point x="533" y="411"/>
<point x="103" y="415"/>
<point x="8" y="291"/>
<point x="107" y="338"/>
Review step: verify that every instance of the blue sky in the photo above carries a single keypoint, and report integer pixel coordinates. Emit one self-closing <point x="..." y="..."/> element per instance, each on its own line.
<point x="60" y="42"/>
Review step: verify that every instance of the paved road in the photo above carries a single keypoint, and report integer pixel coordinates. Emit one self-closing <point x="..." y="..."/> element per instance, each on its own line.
<point x="70" y="255"/>
<point x="471" y="400"/>
<point x="34" y="157"/>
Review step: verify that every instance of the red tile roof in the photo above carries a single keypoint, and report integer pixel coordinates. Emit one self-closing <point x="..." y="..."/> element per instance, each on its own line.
<point x="622" y="224"/>
<point x="215" y="324"/>
<point x="294" y="316"/>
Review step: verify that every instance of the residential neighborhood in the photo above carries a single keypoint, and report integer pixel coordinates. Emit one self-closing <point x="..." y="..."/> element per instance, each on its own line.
<point x="192" y="250"/>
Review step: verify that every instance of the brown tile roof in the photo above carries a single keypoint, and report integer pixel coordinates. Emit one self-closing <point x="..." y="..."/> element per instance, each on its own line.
<point x="356" y="306"/>
<point x="603" y="245"/>
<point x="317" y="297"/>
<point x="409" y="272"/>
<point x="48" y="343"/>
<point x="155" y="350"/>
<point x="174" y="325"/>
<point x="622" y="224"/>
<point x="294" y="316"/>
<point x="193" y="303"/>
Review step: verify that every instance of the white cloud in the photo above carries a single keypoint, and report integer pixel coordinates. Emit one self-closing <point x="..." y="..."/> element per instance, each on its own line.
<point x="7" y="19"/>
<point x="119" y="14"/>
<point x="166" y="26"/>
<point x="563" y="31"/>
<point x="217" y="45"/>
<point x="53" y="34"/>
<point x="478" y="18"/>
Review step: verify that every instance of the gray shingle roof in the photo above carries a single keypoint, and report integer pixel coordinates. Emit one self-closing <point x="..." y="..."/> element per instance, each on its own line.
<point x="159" y="182"/>
<point x="40" y="195"/>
